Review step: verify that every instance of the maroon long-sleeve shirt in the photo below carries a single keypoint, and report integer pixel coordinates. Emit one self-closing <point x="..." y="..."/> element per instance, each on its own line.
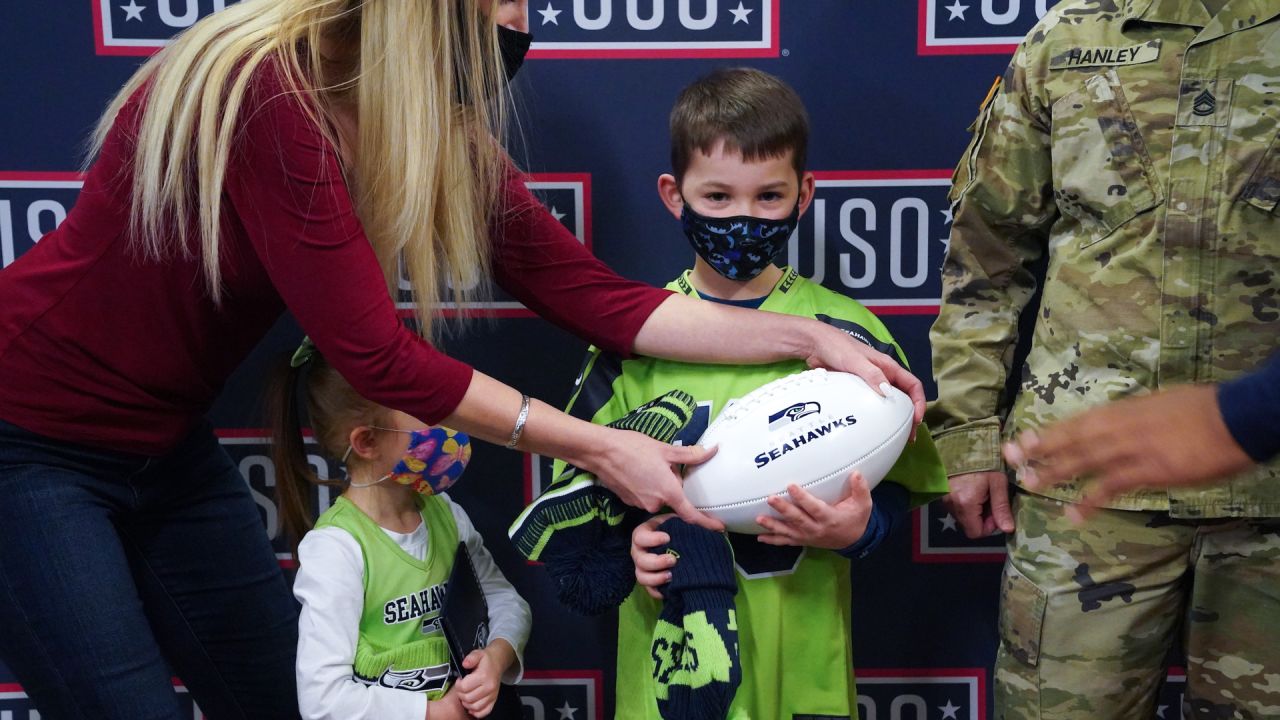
<point x="102" y="347"/>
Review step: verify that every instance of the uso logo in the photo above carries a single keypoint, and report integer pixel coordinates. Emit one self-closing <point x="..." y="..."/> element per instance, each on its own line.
<point x="878" y="236"/>
<point x="250" y="449"/>
<point x="32" y="204"/>
<point x="565" y="29"/>
<point x="916" y="694"/>
<point x="567" y="196"/>
<point x="141" y="28"/>
<point x="562" y="695"/>
<point x="976" y="27"/>
<point x="15" y="705"/>
<point x="936" y="536"/>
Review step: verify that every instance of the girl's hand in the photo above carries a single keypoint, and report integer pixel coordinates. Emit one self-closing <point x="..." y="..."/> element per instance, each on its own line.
<point x="652" y="569"/>
<point x="808" y="521"/>
<point x="448" y="707"/>
<point x="478" y="690"/>
<point x="641" y="471"/>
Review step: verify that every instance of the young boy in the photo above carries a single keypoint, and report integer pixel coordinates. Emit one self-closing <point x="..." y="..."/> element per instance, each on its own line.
<point x="739" y="186"/>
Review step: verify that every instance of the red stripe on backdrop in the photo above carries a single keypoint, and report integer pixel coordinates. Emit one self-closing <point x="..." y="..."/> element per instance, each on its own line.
<point x="905" y="174"/>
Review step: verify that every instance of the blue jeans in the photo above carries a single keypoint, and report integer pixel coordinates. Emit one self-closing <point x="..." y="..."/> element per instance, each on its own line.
<point x="118" y="570"/>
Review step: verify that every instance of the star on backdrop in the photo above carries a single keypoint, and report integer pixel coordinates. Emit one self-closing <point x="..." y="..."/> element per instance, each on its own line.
<point x="549" y="15"/>
<point x="133" y="11"/>
<point x="956" y="10"/>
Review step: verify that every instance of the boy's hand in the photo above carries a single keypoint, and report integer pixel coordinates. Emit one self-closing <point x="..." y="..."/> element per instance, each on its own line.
<point x="479" y="689"/>
<point x="652" y="569"/>
<point x="448" y="707"/>
<point x="806" y="520"/>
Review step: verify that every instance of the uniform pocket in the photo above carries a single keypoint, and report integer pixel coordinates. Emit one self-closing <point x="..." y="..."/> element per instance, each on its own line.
<point x="1102" y="174"/>
<point x="1022" y="606"/>
<point x="1263" y="187"/>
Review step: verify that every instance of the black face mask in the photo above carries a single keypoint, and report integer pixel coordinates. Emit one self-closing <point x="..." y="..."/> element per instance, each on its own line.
<point x="739" y="247"/>
<point x="513" y="46"/>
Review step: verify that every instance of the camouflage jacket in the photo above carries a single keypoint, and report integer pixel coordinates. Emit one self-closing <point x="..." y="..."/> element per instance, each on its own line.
<point x="1133" y="148"/>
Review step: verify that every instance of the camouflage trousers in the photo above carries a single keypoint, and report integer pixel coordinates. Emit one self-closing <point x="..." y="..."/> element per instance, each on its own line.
<point x="1088" y="615"/>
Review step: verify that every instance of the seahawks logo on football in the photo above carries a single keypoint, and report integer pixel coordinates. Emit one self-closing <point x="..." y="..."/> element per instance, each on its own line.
<point x="788" y="415"/>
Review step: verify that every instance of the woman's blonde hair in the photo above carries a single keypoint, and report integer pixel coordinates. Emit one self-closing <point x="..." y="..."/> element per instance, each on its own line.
<point x="426" y="169"/>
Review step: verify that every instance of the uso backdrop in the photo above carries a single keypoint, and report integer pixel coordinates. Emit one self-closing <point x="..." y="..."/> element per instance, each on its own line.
<point x="890" y="86"/>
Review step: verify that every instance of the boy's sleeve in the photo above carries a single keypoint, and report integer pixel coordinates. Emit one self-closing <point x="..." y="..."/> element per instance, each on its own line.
<point x="919" y="469"/>
<point x="599" y="395"/>
<point x="890" y="503"/>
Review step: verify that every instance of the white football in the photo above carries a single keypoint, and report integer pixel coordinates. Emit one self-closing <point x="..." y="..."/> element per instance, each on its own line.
<point x="811" y="429"/>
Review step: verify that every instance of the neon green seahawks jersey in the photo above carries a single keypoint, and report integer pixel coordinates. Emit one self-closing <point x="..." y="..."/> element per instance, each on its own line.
<point x="793" y="604"/>
<point x="401" y="644"/>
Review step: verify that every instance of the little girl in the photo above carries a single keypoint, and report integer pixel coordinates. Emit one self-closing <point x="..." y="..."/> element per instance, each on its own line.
<point x="373" y="570"/>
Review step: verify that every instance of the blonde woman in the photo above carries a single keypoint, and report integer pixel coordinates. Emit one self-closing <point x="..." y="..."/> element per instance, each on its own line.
<point x="285" y="154"/>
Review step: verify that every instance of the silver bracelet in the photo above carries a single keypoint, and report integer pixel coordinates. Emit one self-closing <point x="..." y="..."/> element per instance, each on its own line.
<point x="518" y="430"/>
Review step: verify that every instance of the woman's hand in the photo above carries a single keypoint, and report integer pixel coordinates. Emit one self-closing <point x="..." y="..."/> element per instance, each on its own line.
<point x="478" y="690"/>
<point x="652" y="569"/>
<point x="633" y="465"/>
<point x="641" y="471"/>
<point x="834" y="350"/>
<point x="806" y="520"/>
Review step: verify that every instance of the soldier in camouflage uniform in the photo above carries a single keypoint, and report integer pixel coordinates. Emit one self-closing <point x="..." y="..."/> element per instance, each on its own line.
<point x="1133" y="148"/>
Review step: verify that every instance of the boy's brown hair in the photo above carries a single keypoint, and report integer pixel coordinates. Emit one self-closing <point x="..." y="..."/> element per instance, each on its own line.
<point x="753" y="112"/>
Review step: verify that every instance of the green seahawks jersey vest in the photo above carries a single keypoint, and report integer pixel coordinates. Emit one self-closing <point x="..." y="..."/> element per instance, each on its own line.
<point x="401" y="644"/>
<point x="793" y="604"/>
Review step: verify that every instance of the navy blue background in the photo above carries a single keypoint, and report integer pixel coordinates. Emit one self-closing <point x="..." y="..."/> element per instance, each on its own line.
<point x="890" y="87"/>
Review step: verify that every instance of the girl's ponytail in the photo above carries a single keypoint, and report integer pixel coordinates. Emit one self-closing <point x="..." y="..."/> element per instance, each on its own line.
<point x="294" y="475"/>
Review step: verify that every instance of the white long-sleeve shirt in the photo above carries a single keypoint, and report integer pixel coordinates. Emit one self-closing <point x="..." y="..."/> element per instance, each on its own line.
<point x="330" y="586"/>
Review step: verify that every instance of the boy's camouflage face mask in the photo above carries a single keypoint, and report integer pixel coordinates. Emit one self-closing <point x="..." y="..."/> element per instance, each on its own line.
<point x="738" y="247"/>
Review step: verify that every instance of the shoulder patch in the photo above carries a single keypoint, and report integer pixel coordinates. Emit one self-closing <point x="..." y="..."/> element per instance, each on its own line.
<point x="1079" y="57"/>
<point x="991" y="95"/>
<point x="861" y="334"/>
